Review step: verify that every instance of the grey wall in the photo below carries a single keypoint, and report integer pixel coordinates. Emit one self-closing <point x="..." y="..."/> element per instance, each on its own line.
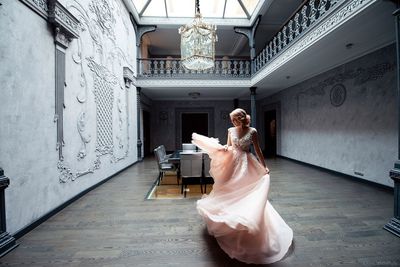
<point x="358" y="136"/>
<point x="39" y="181"/>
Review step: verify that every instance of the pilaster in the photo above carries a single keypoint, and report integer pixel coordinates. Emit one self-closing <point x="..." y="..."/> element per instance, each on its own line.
<point x="7" y="242"/>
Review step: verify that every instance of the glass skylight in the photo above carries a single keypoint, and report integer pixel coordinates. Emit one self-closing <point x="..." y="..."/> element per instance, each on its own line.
<point x="241" y="9"/>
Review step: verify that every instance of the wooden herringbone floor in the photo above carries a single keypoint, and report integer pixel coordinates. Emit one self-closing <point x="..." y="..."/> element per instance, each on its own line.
<point x="336" y="221"/>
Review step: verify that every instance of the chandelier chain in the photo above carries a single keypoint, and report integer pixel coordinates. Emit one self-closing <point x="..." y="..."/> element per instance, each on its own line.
<point x="197" y="6"/>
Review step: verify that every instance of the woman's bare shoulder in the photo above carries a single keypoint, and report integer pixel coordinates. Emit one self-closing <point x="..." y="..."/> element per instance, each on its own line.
<point x="253" y="130"/>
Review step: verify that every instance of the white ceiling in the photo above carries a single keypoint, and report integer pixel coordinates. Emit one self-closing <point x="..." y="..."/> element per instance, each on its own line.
<point x="370" y="30"/>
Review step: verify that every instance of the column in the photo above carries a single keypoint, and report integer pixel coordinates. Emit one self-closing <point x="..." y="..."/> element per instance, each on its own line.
<point x="7" y="242"/>
<point x="393" y="225"/>
<point x="139" y="111"/>
<point x="253" y="106"/>
<point x="250" y="33"/>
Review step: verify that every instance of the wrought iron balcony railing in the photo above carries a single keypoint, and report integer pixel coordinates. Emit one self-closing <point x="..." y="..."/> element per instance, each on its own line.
<point x="170" y="67"/>
<point x="307" y="15"/>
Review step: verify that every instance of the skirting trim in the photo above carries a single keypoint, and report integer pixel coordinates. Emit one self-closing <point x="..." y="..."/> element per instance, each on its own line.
<point x="347" y="176"/>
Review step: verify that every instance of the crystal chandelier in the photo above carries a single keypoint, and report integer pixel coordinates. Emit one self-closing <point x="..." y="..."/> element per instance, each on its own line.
<point x="198" y="43"/>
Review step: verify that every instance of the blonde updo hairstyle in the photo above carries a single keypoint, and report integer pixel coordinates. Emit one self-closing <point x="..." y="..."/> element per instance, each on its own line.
<point x="240" y="117"/>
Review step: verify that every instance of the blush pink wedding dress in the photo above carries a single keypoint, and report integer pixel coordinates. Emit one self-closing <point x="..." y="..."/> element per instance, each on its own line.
<point x="237" y="211"/>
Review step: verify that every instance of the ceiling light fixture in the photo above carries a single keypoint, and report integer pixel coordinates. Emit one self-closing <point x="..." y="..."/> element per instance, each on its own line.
<point x="198" y="43"/>
<point x="194" y="95"/>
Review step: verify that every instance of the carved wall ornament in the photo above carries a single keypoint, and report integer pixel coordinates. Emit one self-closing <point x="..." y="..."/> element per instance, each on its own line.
<point x="104" y="16"/>
<point x="224" y="115"/>
<point x="128" y="76"/>
<point x="39" y="6"/>
<point x="163" y="115"/>
<point x="66" y="174"/>
<point x="338" y="95"/>
<point x="98" y="56"/>
<point x="359" y="76"/>
<point x="83" y="132"/>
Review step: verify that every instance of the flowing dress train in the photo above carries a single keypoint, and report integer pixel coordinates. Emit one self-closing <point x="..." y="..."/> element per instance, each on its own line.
<point x="237" y="211"/>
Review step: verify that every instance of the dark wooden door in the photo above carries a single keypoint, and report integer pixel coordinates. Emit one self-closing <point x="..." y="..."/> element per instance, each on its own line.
<point x="270" y="133"/>
<point x="193" y="123"/>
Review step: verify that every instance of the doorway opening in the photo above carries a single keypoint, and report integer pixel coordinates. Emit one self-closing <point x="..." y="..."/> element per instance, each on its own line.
<point x="193" y="123"/>
<point x="146" y="134"/>
<point x="270" y="133"/>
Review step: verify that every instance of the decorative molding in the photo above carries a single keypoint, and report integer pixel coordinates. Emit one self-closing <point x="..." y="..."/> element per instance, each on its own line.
<point x="66" y="174"/>
<point x="395" y="174"/>
<point x="224" y="115"/>
<point x="338" y="95"/>
<point x="104" y="17"/>
<point x="85" y="137"/>
<point x="60" y="38"/>
<point x="141" y="30"/>
<point x="61" y="18"/>
<point x="66" y="25"/>
<point x="128" y="76"/>
<point x="360" y="76"/>
<point x="38" y="6"/>
<point x="334" y="18"/>
<point x="94" y="58"/>
<point x="104" y="80"/>
<point x="193" y="82"/>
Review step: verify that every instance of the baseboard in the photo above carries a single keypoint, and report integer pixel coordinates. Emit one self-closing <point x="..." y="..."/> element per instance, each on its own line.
<point x="344" y="175"/>
<point x="45" y="217"/>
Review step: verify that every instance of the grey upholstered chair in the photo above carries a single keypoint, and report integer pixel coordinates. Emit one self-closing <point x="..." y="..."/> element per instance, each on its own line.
<point x="165" y="156"/>
<point x="162" y="162"/>
<point x="191" y="170"/>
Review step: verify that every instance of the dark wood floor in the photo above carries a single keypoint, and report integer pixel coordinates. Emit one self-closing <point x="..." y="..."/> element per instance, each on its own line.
<point x="336" y="221"/>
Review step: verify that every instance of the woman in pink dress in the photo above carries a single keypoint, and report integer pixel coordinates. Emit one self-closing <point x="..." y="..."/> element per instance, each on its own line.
<point x="237" y="211"/>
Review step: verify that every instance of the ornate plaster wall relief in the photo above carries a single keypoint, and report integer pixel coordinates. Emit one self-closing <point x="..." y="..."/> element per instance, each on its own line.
<point x="104" y="17"/>
<point x="39" y="6"/>
<point x="87" y="23"/>
<point x="104" y="82"/>
<point x="84" y="134"/>
<point x="359" y="75"/>
<point x="224" y="115"/>
<point x="122" y="135"/>
<point x="100" y="68"/>
<point x="66" y="174"/>
<point x="338" y="95"/>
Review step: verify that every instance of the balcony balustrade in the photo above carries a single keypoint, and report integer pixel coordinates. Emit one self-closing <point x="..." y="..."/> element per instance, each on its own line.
<point x="172" y="68"/>
<point x="307" y="16"/>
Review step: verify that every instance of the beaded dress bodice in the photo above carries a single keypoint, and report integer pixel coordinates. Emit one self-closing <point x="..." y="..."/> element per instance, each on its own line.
<point x="243" y="142"/>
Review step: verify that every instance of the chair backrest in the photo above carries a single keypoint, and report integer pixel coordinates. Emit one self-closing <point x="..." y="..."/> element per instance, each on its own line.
<point x="188" y="147"/>
<point x="159" y="155"/>
<point x="207" y="162"/>
<point x="191" y="164"/>
<point x="163" y="153"/>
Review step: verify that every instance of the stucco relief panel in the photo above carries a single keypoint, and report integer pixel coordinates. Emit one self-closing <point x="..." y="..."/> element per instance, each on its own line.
<point x="96" y="96"/>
